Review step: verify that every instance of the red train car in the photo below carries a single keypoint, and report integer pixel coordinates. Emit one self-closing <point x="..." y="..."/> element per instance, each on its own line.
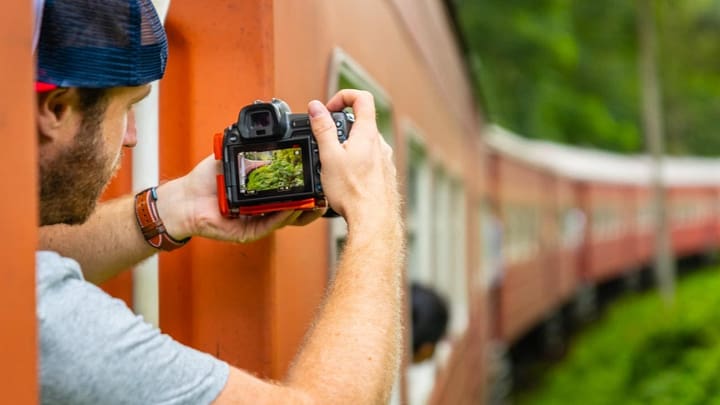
<point x="527" y="205"/>
<point x="692" y="219"/>
<point x="570" y="223"/>
<point x="527" y="290"/>
<point x="609" y="247"/>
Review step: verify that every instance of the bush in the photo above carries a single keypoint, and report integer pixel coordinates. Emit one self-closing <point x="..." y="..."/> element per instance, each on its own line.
<point x="643" y="352"/>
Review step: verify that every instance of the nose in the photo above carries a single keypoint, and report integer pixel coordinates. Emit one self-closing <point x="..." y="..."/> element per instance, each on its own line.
<point x="130" y="138"/>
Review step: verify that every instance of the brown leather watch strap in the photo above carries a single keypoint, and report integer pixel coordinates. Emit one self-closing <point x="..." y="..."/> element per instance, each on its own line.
<point x="151" y="225"/>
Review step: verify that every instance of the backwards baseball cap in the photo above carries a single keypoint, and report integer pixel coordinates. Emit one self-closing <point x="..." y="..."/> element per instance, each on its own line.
<point x="98" y="44"/>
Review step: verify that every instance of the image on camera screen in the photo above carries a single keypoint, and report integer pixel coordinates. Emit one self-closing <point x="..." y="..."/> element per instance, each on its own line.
<point x="279" y="170"/>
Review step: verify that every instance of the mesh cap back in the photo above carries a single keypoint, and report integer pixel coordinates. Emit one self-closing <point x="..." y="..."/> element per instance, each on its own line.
<point x="99" y="44"/>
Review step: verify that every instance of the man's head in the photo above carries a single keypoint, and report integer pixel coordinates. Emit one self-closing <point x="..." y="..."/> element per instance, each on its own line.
<point x="429" y="321"/>
<point x="94" y="62"/>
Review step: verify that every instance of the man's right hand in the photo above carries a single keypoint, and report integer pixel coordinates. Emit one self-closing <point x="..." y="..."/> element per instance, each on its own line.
<point x="358" y="176"/>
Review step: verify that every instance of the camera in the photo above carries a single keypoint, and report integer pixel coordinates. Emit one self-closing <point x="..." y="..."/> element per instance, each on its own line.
<point x="270" y="161"/>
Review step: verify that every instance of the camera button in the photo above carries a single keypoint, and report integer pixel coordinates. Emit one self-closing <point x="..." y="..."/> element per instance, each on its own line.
<point x="341" y="134"/>
<point x="338" y="124"/>
<point x="302" y="122"/>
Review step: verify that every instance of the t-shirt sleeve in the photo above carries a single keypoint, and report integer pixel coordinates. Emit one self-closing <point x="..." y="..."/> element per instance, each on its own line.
<point x="95" y="350"/>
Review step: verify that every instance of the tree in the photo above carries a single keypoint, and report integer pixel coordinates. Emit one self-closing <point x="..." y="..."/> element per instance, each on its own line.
<point x="566" y="70"/>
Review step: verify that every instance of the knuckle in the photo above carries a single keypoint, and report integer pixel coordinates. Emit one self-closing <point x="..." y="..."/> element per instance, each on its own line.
<point x="321" y="125"/>
<point x="366" y="94"/>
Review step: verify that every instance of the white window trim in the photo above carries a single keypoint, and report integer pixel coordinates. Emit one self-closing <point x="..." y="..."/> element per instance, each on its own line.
<point x="420" y="221"/>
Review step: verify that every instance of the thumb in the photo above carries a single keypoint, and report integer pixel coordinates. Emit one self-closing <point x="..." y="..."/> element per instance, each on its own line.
<point x="323" y="127"/>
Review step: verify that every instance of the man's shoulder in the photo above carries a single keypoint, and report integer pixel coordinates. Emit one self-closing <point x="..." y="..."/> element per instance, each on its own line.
<point x="52" y="267"/>
<point x="56" y="275"/>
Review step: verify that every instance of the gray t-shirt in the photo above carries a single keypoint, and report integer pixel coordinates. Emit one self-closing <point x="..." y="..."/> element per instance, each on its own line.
<point x="95" y="350"/>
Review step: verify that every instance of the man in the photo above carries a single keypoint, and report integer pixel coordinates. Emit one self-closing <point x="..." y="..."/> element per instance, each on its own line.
<point x="94" y="62"/>
<point x="429" y="313"/>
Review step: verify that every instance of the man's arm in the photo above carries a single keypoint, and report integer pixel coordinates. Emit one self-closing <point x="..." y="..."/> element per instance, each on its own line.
<point x="352" y="354"/>
<point x="111" y="241"/>
<point x="95" y="243"/>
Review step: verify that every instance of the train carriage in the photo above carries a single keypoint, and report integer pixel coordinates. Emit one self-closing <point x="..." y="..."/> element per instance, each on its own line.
<point x="644" y="223"/>
<point x="609" y="247"/>
<point x="570" y="222"/>
<point x="692" y="219"/>
<point x="526" y="291"/>
<point x="571" y="218"/>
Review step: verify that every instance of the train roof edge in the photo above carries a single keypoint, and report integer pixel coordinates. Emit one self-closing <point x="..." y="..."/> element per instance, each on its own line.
<point x="584" y="164"/>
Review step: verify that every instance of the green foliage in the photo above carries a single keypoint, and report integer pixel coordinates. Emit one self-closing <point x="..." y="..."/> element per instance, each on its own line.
<point x="645" y="353"/>
<point x="285" y="171"/>
<point x="566" y="70"/>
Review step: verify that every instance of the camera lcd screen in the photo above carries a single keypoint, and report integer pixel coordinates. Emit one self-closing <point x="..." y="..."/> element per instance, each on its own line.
<point x="271" y="171"/>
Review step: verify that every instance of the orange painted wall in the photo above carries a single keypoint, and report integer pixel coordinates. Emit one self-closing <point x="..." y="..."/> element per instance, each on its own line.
<point x="18" y="214"/>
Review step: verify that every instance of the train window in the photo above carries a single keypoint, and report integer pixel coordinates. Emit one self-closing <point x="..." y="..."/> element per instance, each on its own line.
<point x="441" y="231"/>
<point x="511" y="231"/>
<point x="573" y="223"/>
<point x="458" y="285"/>
<point x="450" y="270"/>
<point x="647" y="220"/>
<point x="523" y="232"/>
<point x="419" y="213"/>
<point x="480" y="254"/>
<point x="346" y="73"/>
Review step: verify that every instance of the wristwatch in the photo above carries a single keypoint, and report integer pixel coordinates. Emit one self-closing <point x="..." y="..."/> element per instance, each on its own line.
<point x="151" y="225"/>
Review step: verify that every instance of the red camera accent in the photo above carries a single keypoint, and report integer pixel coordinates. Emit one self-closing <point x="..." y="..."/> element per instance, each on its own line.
<point x="306" y="204"/>
<point x="218" y="146"/>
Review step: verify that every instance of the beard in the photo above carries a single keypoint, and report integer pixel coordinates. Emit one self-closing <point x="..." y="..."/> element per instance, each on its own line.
<point x="71" y="184"/>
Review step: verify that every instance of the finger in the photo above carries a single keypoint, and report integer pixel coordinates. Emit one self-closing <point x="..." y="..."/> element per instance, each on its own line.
<point x="272" y="221"/>
<point x="281" y="218"/>
<point x="323" y="128"/>
<point x="291" y="218"/>
<point x="362" y="103"/>
<point x="307" y="217"/>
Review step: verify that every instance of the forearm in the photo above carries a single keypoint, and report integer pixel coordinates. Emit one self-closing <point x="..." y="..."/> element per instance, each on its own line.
<point x="110" y="241"/>
<point x="352" y="354"/>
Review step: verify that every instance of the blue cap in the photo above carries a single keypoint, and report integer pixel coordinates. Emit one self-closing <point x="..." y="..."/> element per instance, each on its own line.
<point x="100" y="44"/>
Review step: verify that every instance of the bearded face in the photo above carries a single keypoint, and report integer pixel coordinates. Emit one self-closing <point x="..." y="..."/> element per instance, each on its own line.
<point x="72" y="182"/>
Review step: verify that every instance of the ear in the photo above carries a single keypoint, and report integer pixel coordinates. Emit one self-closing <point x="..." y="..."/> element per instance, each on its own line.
<point x="58" y="115"/>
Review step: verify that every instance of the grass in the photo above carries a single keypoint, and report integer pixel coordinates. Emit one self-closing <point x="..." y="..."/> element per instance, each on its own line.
<point x="645" y="352"/>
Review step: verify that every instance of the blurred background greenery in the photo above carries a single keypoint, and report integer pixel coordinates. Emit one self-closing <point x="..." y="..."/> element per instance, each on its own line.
<point x="644" y="352"/>
<point x="567" y="70"/>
